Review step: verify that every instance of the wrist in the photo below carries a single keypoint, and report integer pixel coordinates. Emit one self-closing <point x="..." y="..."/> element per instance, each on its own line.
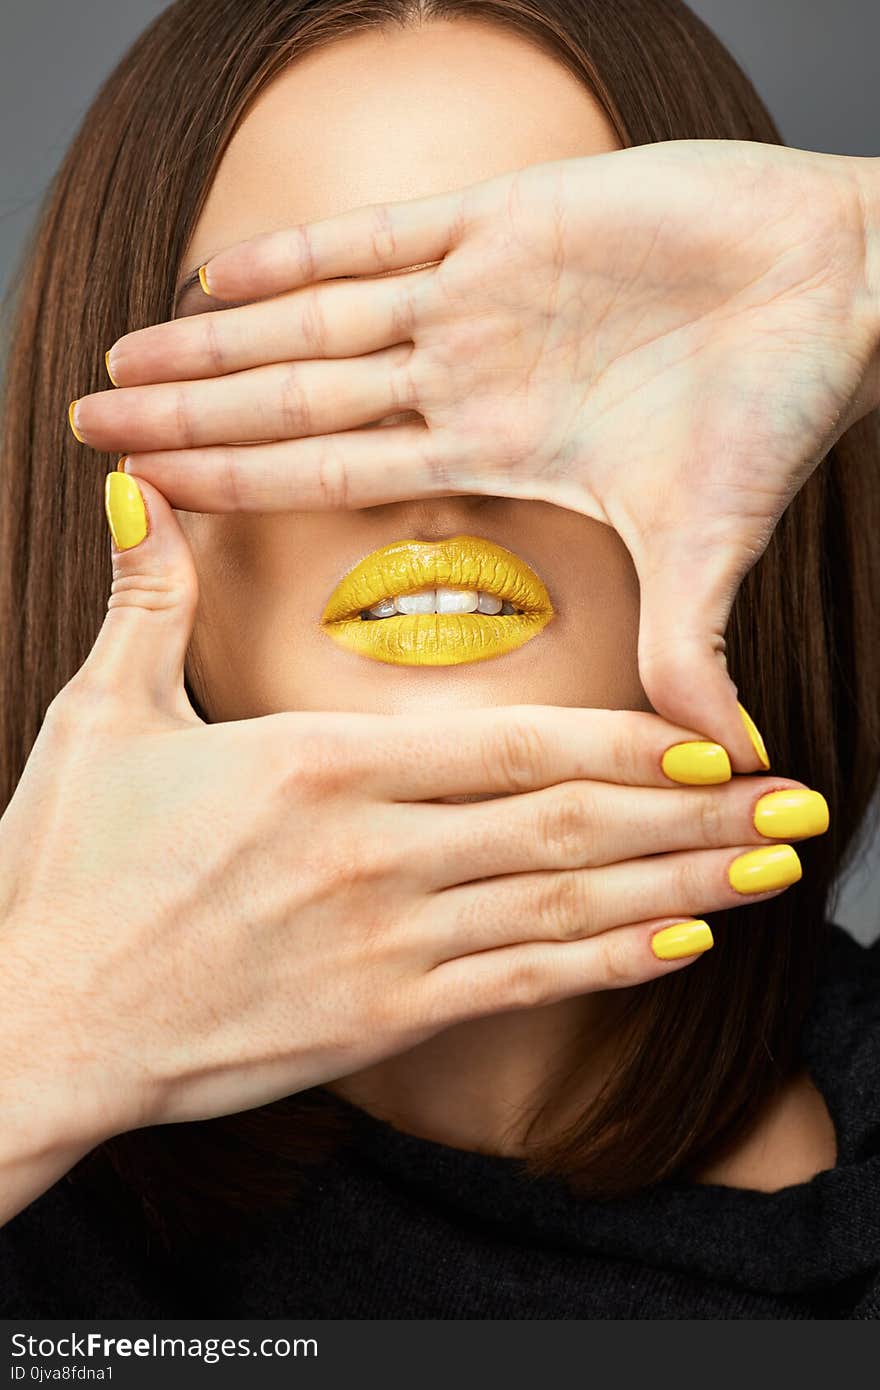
<point x="54" y="1108"/>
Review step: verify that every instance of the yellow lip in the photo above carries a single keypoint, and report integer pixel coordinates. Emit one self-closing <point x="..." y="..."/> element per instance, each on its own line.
<point x="437" y="639"/>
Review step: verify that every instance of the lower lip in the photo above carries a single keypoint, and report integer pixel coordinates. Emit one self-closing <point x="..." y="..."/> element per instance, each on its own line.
<point x="437" y="639"/>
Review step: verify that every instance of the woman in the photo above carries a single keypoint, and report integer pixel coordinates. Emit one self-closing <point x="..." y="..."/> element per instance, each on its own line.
<point x="666" y="1119"/>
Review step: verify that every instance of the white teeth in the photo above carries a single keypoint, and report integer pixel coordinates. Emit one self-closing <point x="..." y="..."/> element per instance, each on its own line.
<point x="441" y="600"/>
<point x="488" y="603"/>
<point x="415" y="603"/>
<point x="457" y="600"/>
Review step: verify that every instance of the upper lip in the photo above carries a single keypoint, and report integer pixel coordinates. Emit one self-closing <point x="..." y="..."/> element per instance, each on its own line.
<point x="463" y="561"/>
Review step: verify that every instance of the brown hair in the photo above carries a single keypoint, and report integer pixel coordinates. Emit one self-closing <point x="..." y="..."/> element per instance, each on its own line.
<point x="103" y="261"/>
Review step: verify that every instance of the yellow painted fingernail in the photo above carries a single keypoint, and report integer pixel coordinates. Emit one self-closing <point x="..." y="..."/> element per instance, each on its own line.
<point x="682" y="939"/>
<point x="755" y="735"/>
<point x="696" y="763"/>
<point x="125" y="510"/>
<point x="792" y="811"/>
<point x="771" y="866"/>
<point x="203" y="278"/>
<point x="107" y="365"/>
<point x="70" y="410"/>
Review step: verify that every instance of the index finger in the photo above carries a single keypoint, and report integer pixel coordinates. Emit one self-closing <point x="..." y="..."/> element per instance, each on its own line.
<point x="516" y="748"/>
<point x="362" y="241"/>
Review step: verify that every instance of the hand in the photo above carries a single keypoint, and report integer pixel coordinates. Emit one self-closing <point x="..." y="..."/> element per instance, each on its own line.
<point x="200" y="918"/>
<point x="666" y="338"/>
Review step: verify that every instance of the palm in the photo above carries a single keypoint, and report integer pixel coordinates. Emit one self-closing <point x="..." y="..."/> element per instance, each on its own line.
<point x="666" y="338"/>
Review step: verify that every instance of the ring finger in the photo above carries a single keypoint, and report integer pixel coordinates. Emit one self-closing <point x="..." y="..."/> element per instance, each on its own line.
<point x="571" y="905"/>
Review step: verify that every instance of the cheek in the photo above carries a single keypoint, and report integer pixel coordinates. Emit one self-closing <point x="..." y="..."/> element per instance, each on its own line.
<point x="599" y="627"/>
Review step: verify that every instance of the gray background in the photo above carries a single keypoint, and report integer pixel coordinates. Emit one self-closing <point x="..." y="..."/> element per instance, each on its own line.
<point x="815" y="63"/>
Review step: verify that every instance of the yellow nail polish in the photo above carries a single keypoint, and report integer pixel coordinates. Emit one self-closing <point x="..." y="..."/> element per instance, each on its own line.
<point x="759" y="870"/>
<point x="682" y="939"/>
<point x="792" y="811"/>
<point x="696" y="763"/>
<point x="125" y="510"/>
<point x="203" y="278"/>
<point x="70" y="410"/>
<point x="755" y="735"/>
<point x="107" y="365"/>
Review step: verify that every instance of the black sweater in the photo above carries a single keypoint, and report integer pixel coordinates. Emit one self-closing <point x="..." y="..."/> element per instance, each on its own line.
<point x="394" y="1226"/>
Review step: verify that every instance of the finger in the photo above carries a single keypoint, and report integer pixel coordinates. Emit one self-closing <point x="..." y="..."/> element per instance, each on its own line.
<point x="351" y="469"/>
<point x="537" y="973"/>
<point x="337" y="319"/>
<point x="140" y="649"/>
<point x="361" y="241"/>
<point x="585" y="824"/>
<point x="284" y="400"/>
<point x="686" y="597"/>
<point x="572" y="904"/>
<point x="517" y="748"/>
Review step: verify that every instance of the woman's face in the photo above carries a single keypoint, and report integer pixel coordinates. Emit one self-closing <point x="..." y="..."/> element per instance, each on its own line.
<point x="380" y="117"/>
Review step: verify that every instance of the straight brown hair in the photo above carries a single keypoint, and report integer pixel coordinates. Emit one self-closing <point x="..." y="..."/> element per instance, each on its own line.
<point x="103" y="260"/>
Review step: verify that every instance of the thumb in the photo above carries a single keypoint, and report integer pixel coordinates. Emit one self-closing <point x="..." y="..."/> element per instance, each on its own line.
<point x="143" y="640"/>
<point x="685" y="606"/>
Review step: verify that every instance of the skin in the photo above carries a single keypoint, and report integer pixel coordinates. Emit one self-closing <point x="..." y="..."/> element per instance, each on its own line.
<point x="370" y="119"/>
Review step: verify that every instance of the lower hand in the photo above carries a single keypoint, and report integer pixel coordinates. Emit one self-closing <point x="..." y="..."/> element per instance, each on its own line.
<point x="200" y="918"/>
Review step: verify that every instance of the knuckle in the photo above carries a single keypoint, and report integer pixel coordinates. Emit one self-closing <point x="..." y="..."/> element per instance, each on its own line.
<point x="711" y="819"/>
<point x="332" y="480"/>
<point x="616" y="966"/>
<point x="623" y="753"/>
<point x="229" y="476"/>
<point x="382" y="238"/>
<point x="304" y="254"/>
<point x="525" y="984"/>
<point x="562" y="908"/>
<point x="155" y="591"/>
<point x="313" y="325"/>
<point x="436" y="465"/>
<point x="403" y="387"/>
<point x="293" y="402"/>
<point x="563" y="826"/>
<point x="319" y="762"/>
<point x="514" y="756"/>
<point x="404" y="312"/>
<point x="86" y="702"/>
<point x="689" y="882"/>
<point x="183" y="417"/>
<point x="213" y="347"/>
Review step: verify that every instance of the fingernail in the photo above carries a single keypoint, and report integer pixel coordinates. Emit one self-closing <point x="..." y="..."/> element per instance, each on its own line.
<point x="107" y="364"/>
<point x="122" y="462"/>
<point x="71" y="417"/>
<point x="696" y="763"/>
<point x="682" y="939"/>
<point x="792" y="811"/>
<point x="755" y="735"/>
<point x="126" y="513"/>
<point x="203" y="278"/>
<point x="771" y="866"/>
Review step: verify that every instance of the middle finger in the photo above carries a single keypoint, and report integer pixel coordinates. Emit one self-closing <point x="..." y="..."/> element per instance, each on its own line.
<point x="584" y="824"/>
<point x="284" y="400"/>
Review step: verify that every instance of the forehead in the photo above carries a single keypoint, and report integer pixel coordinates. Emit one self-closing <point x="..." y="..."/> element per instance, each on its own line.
<point x="390" y="114"/>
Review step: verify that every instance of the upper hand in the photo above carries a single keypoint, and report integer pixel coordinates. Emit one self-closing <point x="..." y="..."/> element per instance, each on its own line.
<point x="667" y="338"/>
